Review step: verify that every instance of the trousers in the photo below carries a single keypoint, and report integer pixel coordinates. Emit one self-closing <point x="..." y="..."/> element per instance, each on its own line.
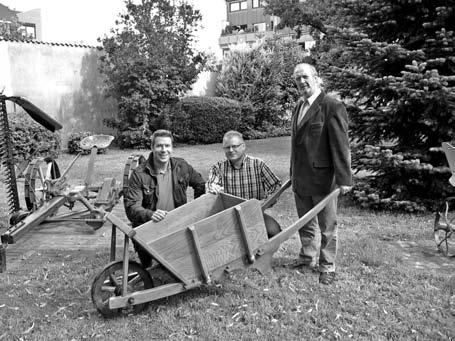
<point x="324" y="223"/>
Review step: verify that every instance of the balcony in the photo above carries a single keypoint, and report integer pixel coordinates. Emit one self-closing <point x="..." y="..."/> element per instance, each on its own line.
<point x="249" y="37"/>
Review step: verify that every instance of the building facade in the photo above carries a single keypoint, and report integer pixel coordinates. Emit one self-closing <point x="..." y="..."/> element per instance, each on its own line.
<point x="248" y="24"/>
<point x="23" y="25"/>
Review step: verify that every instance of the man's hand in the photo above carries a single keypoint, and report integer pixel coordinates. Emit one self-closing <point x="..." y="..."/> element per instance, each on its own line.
<point x="215" y="189"/>
<point x="345" y="189"/>
<point x="158" y="215"/>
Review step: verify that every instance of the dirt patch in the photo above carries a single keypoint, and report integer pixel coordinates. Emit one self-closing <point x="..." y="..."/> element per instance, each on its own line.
<point x="424" y="255"/>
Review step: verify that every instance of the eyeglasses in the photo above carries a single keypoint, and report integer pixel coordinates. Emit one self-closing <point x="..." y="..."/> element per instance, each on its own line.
<point x="234" y="146"/>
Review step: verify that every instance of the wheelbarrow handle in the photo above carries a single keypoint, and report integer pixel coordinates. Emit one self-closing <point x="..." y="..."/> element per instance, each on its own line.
<point x="273" y="243"/>
<point x="274" y="198"/>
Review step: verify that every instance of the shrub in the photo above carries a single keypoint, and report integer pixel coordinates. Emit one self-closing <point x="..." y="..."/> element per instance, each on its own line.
<point x="134" y="138"/>
<point x="31" y="140"/>
<point x="206" y="119"/>
<point x="262" y="76"/>
<point x="400" y="181"/>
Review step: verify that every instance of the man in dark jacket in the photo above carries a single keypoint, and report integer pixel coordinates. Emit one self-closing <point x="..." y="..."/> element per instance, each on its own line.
<point x="159" y="185"/>
<point x="320" y="162"/>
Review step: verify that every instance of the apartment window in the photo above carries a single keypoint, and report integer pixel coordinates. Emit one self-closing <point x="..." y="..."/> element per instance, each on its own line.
<point x="237" y="6"/>
<point x="257" y="3"/>
<point x="29" y="30"/>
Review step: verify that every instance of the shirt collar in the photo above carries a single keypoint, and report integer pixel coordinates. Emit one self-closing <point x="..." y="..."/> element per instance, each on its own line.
<point x="244" y="160"/>
<point x="151" y="168"/>
<point x="313" y="97"/>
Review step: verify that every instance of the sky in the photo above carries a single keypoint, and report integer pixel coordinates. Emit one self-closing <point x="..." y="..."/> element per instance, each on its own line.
<point x="83" y="21"/>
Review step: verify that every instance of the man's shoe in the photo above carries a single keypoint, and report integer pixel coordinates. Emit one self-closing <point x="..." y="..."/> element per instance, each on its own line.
<point x="327" y="278"/>
<point x="302" y="264"/>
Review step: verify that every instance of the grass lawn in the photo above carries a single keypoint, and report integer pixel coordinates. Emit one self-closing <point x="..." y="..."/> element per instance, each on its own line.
<point x="377" y="294"/>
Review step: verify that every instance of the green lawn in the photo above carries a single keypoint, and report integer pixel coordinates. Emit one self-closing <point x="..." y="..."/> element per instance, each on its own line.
<point x="377" y="294"/>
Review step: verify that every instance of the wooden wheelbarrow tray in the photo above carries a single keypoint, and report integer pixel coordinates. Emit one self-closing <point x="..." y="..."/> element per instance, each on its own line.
<point x="195" y="244"/>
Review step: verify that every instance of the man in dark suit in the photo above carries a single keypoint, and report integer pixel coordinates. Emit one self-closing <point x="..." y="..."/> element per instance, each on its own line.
<point x="320" y="162"/>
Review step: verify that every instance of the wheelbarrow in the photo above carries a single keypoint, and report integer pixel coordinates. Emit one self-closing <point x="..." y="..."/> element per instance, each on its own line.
<point x="195" y="244"/>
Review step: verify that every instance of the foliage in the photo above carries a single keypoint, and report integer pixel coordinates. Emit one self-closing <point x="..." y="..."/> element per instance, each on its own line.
<point x="12" y="29"/>
<point x="31" y="140"/>
<point x="401" y="178"/>
<point x="149" y="61"/>
<point x="262" y="76"/>
<point x="206" y="119"/>
<point x="137" y="138"/>
<point x="393" y="62"/>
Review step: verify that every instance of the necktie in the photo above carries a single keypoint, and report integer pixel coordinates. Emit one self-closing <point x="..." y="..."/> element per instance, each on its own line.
<point x="303" y="110"/>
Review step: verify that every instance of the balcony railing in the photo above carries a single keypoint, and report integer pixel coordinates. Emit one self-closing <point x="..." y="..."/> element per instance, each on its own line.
<point x="248" y="36"/>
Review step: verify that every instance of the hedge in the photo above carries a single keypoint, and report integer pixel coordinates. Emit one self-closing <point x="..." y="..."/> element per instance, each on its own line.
<point x="206" y="119"/>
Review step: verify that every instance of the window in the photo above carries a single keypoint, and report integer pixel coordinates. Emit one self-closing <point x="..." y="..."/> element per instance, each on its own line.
<point x="257" y="3"/>
<point x="234" y="6"/>
<point x="237" y="6"/>
<point x="30" y="31"/>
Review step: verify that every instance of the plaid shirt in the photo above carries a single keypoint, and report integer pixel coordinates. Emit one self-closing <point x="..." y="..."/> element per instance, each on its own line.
<point x="254" y="179"/>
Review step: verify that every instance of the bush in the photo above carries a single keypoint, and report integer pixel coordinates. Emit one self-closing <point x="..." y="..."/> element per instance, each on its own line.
<point x="268" y="131"/>
<point x="262" y="76"/>
<point x="73" y="142"/>
<point x="400" y="181"/>
<point x="206" y="119"/>
<point x="134" y="138"/>
<point x="31" y="140"/>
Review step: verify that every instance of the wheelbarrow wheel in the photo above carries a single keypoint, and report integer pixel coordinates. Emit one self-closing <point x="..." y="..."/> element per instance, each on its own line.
<point x="109" y="283"/>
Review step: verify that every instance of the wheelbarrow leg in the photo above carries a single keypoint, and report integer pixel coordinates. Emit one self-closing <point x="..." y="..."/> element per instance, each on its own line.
<point x="126" y="254"/>
<point x="263" y="263"/>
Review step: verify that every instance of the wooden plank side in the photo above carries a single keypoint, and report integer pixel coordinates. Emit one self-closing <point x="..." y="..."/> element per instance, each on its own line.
<point x="220" y="239"/>
<point x="185" y="260"/>
<point x="189" y="266"/>
<point x="182" y="217"/>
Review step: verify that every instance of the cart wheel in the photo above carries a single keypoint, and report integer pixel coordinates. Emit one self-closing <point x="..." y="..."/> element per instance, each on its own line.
<point x="38" y="171"/>
<point x="444" y="229"/>
<point x="132" y="163"/>
<point x="109" y="283"/>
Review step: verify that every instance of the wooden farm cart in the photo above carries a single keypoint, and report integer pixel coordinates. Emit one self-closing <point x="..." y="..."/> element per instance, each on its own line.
<point x="194" y="245"/>
<point x="444" y="224"/>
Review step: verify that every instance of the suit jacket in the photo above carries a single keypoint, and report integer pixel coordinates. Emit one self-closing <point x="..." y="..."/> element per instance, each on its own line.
<point x="320" y="155"/>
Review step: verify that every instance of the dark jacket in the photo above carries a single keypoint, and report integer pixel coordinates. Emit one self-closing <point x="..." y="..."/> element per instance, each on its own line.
<point x="142" y="195"/>
<point x="320" y="156"/>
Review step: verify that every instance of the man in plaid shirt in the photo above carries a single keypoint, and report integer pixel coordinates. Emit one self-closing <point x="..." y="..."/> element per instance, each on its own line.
<point x="240" y="174"/>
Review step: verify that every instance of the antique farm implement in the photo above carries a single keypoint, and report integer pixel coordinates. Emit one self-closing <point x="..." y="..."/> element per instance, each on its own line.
<point x="7" y="147"/>
<point x="194" y="245"/>
<point x="50" y="198"/>
<point x="444" y="225"/>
